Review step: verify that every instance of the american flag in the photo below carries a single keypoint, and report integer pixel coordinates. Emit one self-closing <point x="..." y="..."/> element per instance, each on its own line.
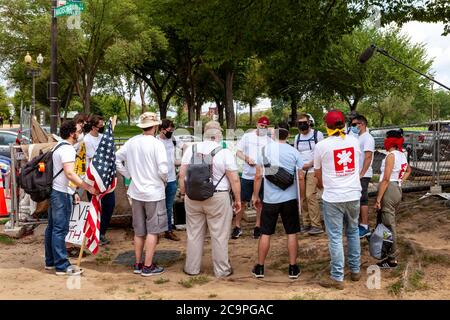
<point x="101" y="173"/>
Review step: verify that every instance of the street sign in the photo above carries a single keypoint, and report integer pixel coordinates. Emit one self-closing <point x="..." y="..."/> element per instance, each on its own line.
<point x="71" y="8"/>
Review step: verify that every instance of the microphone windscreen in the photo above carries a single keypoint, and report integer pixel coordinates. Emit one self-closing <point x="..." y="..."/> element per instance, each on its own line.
<point x="367" y="54"/>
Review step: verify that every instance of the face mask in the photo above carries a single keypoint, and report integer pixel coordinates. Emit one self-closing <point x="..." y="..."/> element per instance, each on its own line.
<point x="355" y="130"/>
<point x="262" y="132"/>
<point x="101" y="130"/>
<point x="303" y="126"/>
<point x="168" y="134"/>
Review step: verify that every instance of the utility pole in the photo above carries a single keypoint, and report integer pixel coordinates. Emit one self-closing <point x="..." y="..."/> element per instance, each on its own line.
<point x="54" y="70"/>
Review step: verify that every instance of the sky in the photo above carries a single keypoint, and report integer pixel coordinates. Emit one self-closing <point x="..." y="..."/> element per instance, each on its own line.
<point x="437" y="47"/>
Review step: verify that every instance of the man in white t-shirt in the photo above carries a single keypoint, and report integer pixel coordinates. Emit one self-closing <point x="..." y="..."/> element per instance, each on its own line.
<point x="367" y="146"/>
<point x="305" y="142"/>
<point x="145" y="161"/>
<point x="170" y="143"/>
<point x="336" y="164"/>
<point x="61" y="200"/>
<point x="248" y="149"/>
<point x="214" y="213"/>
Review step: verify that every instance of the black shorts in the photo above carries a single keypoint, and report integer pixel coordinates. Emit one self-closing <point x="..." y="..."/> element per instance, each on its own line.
<point x="247" y="190"/>
<point x="289" y="216"/>
<point x="365" y="191"/>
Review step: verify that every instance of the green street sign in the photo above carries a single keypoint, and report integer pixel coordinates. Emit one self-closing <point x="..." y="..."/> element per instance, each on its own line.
<point x="71" y="8"/>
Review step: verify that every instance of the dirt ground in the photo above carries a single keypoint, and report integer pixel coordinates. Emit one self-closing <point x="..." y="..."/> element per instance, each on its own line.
<point x="424" y="272"/>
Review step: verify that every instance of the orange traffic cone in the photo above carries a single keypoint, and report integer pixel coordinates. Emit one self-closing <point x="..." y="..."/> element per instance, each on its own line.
<point x="3" y="207"/>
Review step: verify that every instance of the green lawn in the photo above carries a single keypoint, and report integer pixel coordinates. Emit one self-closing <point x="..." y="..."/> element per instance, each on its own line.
<point x="124" y="131"/>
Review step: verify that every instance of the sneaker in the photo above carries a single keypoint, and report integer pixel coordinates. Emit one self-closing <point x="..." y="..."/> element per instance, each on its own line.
<point x="137" y="268"/>
<point x="314" y="230"/>
<point x="294" y="271"/>
<point x="387" y="264"/>
<point x="171" y="236"/>
<point x="103" y="240"/>
<point x="152" y="270"/>
<point x="237" y="232"/>
<point x="355" y="276"/>
<point x="363" y="232"/>
<point x="49" y="267"/>
<point x="257" y="232"/>
<point x="258" y="271"/>
<point x="305" y="229"/>
<point x="70" y="271"/>
<point x="331" y="283"/>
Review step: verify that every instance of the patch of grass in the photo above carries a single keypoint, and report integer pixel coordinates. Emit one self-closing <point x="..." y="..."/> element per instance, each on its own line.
<point x="395" y="289"/>
<point x="6" y="240"/>
<point x="161" y="281"/>
<point x="147" y="292"/>
<point x="131" y="290"/>
<point x="125" y="131"/>
<point x="213" y="295"/>
<point x="111" y="289"/>
<point x="307" y="296"/>
<point x="415" y="281"/>
<point x="436" y="259"/>
<point x="3" y="221"/>
<point x="315" y="265"/>
<point x="101" y="260"/>
<point x="280" y="264"/>
<point x="189" y="283"/>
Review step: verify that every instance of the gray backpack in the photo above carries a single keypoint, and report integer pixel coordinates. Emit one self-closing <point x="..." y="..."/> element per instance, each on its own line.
<point x="199" y="175"/>
<point x="380" y="243"/>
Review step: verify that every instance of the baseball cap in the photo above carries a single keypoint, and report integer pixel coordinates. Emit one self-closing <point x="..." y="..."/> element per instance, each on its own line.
<point x="333" y="117"/>
<point x="264" y="120"/>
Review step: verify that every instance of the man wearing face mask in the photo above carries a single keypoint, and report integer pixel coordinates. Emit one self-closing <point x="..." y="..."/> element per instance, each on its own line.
<point x="367" y="146"/>
<point x="96" y="127"/>
<point x="171" y="144"/>
<point x="305" y="142"/>
<point x="248" y="149"/>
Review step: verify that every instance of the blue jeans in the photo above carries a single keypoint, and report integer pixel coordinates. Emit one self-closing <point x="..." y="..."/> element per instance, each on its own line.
<point x="336" y="215"/>
<point x="57" y="229"/>
<point x="171" y="191"/>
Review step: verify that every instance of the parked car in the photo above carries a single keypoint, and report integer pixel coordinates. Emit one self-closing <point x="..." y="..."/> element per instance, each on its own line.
<point x="429" y="141"/>
<point x="8" y="137"/>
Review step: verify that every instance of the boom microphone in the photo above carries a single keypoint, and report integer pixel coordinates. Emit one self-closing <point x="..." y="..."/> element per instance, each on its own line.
<point x="367" y="54"/>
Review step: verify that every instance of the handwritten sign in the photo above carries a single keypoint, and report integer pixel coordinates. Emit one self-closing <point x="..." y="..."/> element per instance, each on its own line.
<point x="76" y="223"/>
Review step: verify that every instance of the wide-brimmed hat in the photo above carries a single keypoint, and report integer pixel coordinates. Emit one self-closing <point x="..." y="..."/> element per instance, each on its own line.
<point x="147" y="120"/>
<point x="212" y="126"/>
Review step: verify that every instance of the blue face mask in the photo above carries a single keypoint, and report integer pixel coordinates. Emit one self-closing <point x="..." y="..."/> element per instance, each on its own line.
<point x="355" y="130"/>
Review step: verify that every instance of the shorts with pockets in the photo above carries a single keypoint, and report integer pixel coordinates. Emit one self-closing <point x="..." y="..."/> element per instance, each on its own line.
<point x="149" y="217"/>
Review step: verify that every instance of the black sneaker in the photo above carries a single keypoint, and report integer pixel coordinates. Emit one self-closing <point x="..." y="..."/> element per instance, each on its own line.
<point x="237" y="232"/>
<point x="257" y="232"/>
<point x="294" y="271"/>
<point x="258" y="271"/>
<point x="152" y="270"/>
<point x="387" y="264"/>
<point x="103" y="240"/>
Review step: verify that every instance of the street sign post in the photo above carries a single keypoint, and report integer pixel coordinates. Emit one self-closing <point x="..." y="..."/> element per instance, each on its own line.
<point x="71" y="8"/>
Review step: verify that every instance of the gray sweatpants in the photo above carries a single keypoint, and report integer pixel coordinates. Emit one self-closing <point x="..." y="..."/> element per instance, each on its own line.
<point x="389" y="206"/>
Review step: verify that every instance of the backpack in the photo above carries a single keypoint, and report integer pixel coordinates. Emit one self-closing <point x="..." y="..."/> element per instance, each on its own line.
<point x="381" y="240"/>
<point x="309" y="140"/>
<point x="279" y="176"/>
<point x="36" y="177"/>
<point x="199" y="176"/>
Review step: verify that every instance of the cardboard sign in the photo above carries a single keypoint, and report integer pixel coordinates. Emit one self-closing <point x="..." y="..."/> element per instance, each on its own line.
<point x="76" y="223"/>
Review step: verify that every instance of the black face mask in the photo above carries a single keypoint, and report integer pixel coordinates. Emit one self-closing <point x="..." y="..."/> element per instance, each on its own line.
<point x="168" y="134"/>
<point x="303" y="126"/>
<point x="101" y="130"/>
<point x="87" y="127"/>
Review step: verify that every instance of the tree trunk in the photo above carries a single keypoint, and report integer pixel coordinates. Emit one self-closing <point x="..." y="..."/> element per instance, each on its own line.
<point x="142" y="90"/>
<point x="229" y="108"/>
<point x="354" y="104"/>
<point x="250" y="121"/>
<point x="220" y="108"/>
<point x="163" y="110"/>
<point x="294" y="106"/>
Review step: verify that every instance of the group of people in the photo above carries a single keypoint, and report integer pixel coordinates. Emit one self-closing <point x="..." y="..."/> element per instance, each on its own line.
<point x="278" y="179"/>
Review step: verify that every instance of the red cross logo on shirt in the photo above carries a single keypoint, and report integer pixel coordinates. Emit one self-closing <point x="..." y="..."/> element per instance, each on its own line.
<point x="344" y="161"/>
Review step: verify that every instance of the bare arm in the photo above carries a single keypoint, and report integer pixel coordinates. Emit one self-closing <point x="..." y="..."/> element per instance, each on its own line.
<point x="389" y="166"/>
<point x="235" y="183"/>
<point x="368" y="155"/>
<point x="407" y="173"/>
<point x="247" y="159"/>
<point x="69" y="172"/>
<point x="181" y="177"/>
<point x="318" y="174"/>
<point x="301" y="183"/>
<point x="257" y="187"/>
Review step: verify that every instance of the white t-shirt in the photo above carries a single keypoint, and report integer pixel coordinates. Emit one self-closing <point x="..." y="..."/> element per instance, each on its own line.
<point x="146" y="164"/>
<point x="64" y="154"/>
<point x="222" y="162"/>
<point x="339" y="160"/>
<point x="400" y="166"/>
<point x="170" y="150"/>
<point x="306" y="144"/>
<point x="366" y="143"/>
<point x="92" y="144"/>
<point x="251" y="145"/>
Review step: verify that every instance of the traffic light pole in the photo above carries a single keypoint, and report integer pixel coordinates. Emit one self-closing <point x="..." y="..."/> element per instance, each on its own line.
<point x="54" y="70"/>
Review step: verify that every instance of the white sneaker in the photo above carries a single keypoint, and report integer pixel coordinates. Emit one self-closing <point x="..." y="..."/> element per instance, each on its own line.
<point x="70" y="271"/>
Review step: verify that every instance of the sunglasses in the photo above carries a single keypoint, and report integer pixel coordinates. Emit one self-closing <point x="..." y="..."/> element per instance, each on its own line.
<point x="354" y="124"/>
<point x="302" y="122"/>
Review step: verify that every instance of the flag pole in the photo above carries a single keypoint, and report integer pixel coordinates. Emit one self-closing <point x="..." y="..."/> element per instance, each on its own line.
<point x="83" y="245"/>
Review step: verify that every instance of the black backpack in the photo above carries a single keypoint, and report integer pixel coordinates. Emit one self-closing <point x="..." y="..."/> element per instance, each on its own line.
<point x="199" y="175"/>
<point x="279" y="176"/>
<point x="309" y="140"/>
<point x="35" y="183"/>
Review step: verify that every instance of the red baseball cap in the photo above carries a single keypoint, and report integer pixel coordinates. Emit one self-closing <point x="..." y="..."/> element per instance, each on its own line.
<point x="333" y="117"/>
<point x="264" y="120"/>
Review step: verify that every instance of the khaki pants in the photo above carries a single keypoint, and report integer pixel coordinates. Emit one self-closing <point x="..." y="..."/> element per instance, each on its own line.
<point x="310" y="205"/>
<point x="215" y="213"/>
<point x="389" y="205"/>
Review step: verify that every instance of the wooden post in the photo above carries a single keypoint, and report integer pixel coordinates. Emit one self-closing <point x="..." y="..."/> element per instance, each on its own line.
<point x="81" y="250"/>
